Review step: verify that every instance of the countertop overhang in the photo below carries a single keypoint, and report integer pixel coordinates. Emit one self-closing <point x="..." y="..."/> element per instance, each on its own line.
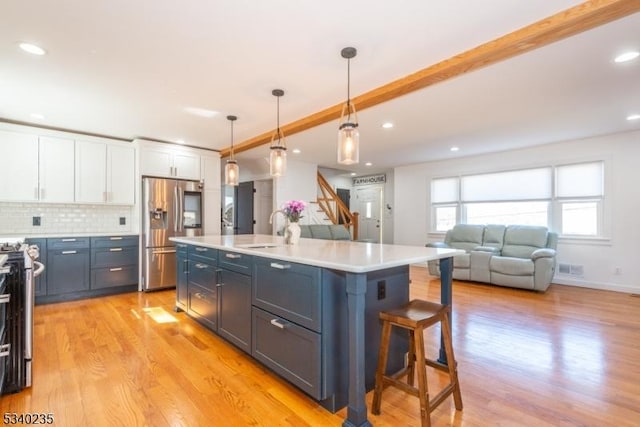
<point x="343" y="255"/>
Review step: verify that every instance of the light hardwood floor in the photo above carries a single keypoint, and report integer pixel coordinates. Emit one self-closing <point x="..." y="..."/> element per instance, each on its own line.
<point x="568" y="357"/>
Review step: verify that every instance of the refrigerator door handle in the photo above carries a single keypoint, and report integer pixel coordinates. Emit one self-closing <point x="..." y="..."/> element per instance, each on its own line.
<point x="176" y="209"/>
<point x="165" y="251"/>
<point x="180" y="209"/>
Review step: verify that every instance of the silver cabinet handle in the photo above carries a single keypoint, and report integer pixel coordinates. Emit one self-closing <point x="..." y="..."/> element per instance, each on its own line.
<point x="233" y="256"/>
<point x="5" y="298"/>
<point x="69" y="252"/>
<point x="199" y="249"/>
<point x="201" y="266"/>
<point x="115" y="250"/>
<point x="69" y="240"/>
<point x="201" y="296"/>
<point x="115" y="238"/>
<point x="5" y="350"/>
<point x="278" y="323"/>
<point x="280" y="266"/>
<point x="116" y="269"/>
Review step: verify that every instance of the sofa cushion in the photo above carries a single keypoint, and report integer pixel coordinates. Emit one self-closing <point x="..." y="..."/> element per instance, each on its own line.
<point x="320" y="231"/>
<point x="305" y="231"/>
<point x="511" y="266"/>
<point x="493" y="236"/>
<point x="339" y="232"/>
<point x="521" y="240"/>
<point x="465" y="236"/>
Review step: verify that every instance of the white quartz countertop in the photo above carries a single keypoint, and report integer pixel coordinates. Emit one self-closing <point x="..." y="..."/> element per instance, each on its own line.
<point x="343" y="255"/>
<point x="58" y="235"/>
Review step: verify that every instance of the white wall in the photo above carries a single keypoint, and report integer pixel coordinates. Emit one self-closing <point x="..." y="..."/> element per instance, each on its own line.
<point x="299" y="183"/>
<point x="600" y="259"/>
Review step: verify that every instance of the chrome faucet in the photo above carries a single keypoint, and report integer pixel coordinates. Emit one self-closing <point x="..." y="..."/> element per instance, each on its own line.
<point x="286" y="220"/>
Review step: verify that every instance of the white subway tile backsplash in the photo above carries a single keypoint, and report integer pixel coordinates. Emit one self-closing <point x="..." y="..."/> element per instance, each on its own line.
<point x="17" y="218"/>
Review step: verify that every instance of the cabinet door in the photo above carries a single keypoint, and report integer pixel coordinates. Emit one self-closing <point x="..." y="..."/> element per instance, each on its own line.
<point x="121" y="181"/>
<point x="67" y="271"/>
<point x="57" y="159"/>
<point x="211" y="172"/>
<point x="155" y="162"/>
<point x="19" y="159"/>
<point x="186" y="165"/>
<point x="182" y="279"/>
<point x="234" y="309"/>
<point x="91" y="172"/>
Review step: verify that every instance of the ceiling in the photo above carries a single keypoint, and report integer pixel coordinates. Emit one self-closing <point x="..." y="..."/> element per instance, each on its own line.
<point x="135" y="69"/>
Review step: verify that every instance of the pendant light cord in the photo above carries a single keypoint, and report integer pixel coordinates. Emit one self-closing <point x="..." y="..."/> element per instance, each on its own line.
<point x="349" y="89"/>
<point x="231" y="157"/>
<point x="278" y="118"/>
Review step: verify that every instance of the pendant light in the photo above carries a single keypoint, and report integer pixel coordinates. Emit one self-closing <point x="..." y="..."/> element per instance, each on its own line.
<point x="231" y="171"/>
<point x="348" y="135"/>
<point x="278" y="156"/>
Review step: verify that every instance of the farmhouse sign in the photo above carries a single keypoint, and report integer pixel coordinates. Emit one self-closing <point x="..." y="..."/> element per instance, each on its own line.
<point x="371" y="179"/>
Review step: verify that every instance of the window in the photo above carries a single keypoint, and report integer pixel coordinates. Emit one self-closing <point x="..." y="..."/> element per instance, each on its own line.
<point x="566" y="198"/>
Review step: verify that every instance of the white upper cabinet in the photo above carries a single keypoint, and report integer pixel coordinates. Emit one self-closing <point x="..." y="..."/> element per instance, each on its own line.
<point x="37" y="169"/>
<point x="121" y="174"/>
<point x="91" y="172"/>
<point x="56" y="160"/>
<point x="19" y="163"/>
<point x="211" y="171"/>
<point x="105" y="173"/>
<point x="164" y="160"/>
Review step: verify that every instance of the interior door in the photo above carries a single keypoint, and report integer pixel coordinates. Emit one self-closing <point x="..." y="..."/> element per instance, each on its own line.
<point x="369" y="205"/>
<point x="243" y="211"/>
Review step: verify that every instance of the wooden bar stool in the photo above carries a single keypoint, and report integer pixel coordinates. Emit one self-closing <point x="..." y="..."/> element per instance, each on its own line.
<point x="416" y="316"/>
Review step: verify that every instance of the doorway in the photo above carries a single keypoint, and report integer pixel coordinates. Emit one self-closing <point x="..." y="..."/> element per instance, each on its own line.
<point x="369" y="206"/>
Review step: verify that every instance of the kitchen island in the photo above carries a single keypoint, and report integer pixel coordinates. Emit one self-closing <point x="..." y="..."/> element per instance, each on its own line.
<point x="313" y="306"/>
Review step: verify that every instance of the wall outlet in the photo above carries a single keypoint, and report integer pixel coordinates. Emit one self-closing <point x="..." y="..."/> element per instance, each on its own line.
<point x="382" y="289"/>
<point x="36" y="221"/>
<point x="123" y="220"/>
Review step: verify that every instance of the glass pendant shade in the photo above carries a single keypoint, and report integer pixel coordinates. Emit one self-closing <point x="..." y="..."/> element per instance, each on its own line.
<point x="348" y="144"/>
<point x="278" y="161"/>
<point x="278" y="156"/>
<point x="231" y="173"/>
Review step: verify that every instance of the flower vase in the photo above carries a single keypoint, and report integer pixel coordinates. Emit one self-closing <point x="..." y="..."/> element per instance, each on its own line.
<point x="292" y="234"/>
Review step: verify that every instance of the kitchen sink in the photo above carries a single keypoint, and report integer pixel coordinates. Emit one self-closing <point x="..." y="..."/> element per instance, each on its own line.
<point x="258" y="245"/>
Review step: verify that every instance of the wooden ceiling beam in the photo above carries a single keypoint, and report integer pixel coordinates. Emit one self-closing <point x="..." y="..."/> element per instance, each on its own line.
<point x="580" y="18"/>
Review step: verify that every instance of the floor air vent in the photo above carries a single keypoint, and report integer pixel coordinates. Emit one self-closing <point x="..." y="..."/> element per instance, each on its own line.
<point x="571" y="269"/>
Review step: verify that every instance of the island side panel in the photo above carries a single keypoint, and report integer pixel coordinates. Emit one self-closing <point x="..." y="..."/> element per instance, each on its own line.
<point x="395" y="282"/>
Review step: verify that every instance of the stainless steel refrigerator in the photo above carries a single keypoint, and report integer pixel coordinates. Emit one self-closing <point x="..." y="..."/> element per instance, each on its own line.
<point x="170" y="208"/>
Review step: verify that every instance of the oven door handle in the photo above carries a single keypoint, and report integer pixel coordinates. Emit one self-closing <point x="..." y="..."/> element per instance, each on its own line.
<point x="40" y="268"/>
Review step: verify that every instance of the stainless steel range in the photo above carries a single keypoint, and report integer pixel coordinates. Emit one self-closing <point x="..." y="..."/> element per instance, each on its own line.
<point x="17" y="271"/>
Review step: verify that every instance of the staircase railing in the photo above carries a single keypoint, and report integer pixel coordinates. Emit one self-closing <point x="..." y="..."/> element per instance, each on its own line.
<point x="335" y="209"/>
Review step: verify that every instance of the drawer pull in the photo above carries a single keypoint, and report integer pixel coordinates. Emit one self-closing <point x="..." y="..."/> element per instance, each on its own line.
<point x="5" y="298"/>
<point x="233" y="256"/>
<point x="69" y="252"/>
<point x="278" y="323"/>
<point x="199" y="249"/>
<point x="201" y="266"/>
<point x="5" y="349"/>
<point x="116" y="269"/>
<point x="280" y="266"/>
<point x="200" y="296"/>
<point x="180" y="245"/>
<point x="115" y="238"/>
<point x="115" y="250"/>
<point x="68" y="240"/>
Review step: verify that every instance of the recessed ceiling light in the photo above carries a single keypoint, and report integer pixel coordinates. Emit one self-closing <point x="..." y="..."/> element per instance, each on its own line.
<point x="627" y="56"/>
<point x="454" y="148"/>
<point x="202" y="112"/>
<point x="32" y="48"/>
<point x="387" y="125"/>
<point x="37" y="116"/>
<point x="368" y="164"/>
<point x="633" y="117"/>
<point x="180" y="141"/>
<point x="296" y="151"/>
<point x="353" y="174"/>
